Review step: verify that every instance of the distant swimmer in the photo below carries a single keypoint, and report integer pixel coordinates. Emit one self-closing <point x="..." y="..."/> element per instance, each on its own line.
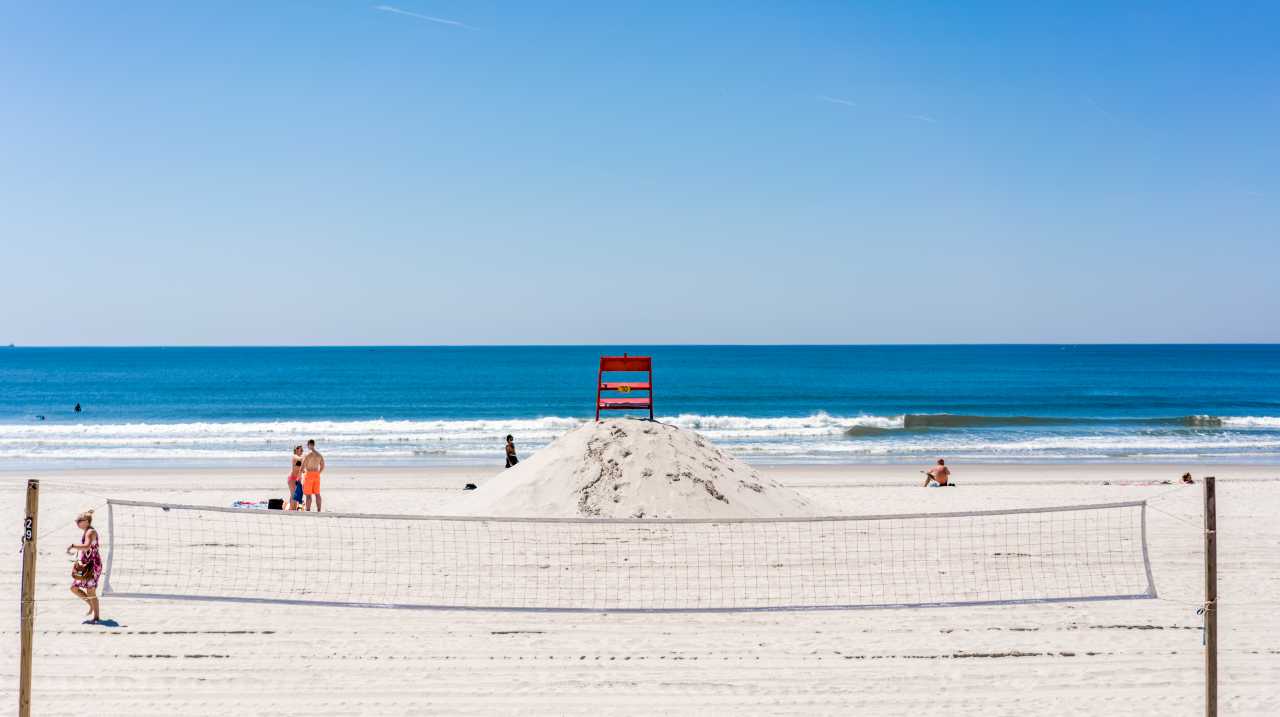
<point x="77" y="408"/>
<point x="41" y="418"/>
<point x="511" y="451"/>
<point x="312" y="467"/>
<point x="939" y="475"/>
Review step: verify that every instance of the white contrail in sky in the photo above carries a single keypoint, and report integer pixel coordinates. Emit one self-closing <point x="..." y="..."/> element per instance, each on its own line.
<point x="851" y="103"/>
<point x="1090" y="101"/>
<point x="428" y="18"/>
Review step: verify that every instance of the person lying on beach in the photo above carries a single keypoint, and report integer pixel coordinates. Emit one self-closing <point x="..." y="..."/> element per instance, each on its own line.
<point x="939" y="474"/>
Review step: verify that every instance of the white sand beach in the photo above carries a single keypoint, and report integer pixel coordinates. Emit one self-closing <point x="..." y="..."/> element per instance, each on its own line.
<point x="1135" y="657"/>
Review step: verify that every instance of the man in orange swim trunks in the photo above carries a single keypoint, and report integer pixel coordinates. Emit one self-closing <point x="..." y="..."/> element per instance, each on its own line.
<point x="312" y="467"/>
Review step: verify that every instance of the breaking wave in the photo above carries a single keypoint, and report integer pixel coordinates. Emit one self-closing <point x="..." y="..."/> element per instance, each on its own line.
<point x="916" y="421"/>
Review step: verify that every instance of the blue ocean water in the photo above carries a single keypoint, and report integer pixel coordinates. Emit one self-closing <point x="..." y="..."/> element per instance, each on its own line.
<point x="427" y="405"/>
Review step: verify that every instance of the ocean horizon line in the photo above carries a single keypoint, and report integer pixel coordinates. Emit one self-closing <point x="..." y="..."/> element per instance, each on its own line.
<point x="1152" y="344"/>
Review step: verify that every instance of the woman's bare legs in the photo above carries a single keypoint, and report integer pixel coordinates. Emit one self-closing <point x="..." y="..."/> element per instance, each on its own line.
<point x="90" y="599"/>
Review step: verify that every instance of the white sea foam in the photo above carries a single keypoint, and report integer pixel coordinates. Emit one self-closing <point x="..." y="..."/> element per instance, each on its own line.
<point x="817" y="424"/>
<point x="1251" y="421"/>
<point x="377" y="427"/>
<point x="278" y="432"/>
<point x="819" y="436"/>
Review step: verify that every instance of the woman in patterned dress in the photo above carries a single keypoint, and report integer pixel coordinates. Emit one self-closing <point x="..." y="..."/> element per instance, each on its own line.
<point x="84" y="583"/>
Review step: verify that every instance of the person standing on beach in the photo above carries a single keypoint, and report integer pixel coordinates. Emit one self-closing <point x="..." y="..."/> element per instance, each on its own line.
<point x="295" y="479"/>
<point x="88" y="566"/>
<point x="312" y="467"/>
<point x="511" y="451"/>
<point x="939" y="474"/>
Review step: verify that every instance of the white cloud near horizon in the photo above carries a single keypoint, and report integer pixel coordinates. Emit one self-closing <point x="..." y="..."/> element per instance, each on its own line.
<point x="419" y="16"/>
<point x="835" y="100"/>
<point x="924" y="118"/>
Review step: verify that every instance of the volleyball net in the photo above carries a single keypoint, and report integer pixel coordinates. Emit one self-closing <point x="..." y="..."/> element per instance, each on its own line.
<point x="1069" y="553"/>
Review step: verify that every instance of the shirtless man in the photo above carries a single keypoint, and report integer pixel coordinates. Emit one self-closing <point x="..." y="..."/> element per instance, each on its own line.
<point x="939" y="474"/>
<point x="312" y="467"/>
<point x="511" y="451"/>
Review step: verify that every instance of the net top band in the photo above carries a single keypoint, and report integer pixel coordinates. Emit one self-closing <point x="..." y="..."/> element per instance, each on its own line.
<point x="633" y="521"/>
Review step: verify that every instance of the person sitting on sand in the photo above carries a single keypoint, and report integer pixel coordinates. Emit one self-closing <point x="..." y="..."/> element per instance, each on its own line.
<point x="511" y="451"/>
<point x="312" y="467"/>
<point x="939" y="474"/>
<point x="88" y="566"/>
<point x="295" y="479"/>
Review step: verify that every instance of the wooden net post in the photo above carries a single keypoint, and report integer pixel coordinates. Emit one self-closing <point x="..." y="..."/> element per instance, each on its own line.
<point x="28" y="595"/>
<point x="1210" y="599"/>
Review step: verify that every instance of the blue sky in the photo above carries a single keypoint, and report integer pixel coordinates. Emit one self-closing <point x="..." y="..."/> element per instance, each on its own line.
<point x="341" y="172"/>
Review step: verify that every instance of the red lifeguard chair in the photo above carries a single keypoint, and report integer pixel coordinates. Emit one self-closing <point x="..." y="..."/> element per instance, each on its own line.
<point x="620" y="398"/>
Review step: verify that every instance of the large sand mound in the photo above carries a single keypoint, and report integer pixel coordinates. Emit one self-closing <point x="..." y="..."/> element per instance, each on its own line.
<point x="628" y="468"/>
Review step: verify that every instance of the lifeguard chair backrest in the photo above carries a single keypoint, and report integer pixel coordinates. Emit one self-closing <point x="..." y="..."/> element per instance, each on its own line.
<point x="626" y="363"/>
<point x="627" y="401"/>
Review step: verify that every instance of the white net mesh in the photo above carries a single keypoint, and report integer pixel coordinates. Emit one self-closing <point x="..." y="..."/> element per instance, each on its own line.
<point x="1055" y="554"/>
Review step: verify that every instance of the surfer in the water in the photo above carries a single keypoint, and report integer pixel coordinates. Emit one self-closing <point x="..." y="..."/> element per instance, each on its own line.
<point x="939" y="474"/>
